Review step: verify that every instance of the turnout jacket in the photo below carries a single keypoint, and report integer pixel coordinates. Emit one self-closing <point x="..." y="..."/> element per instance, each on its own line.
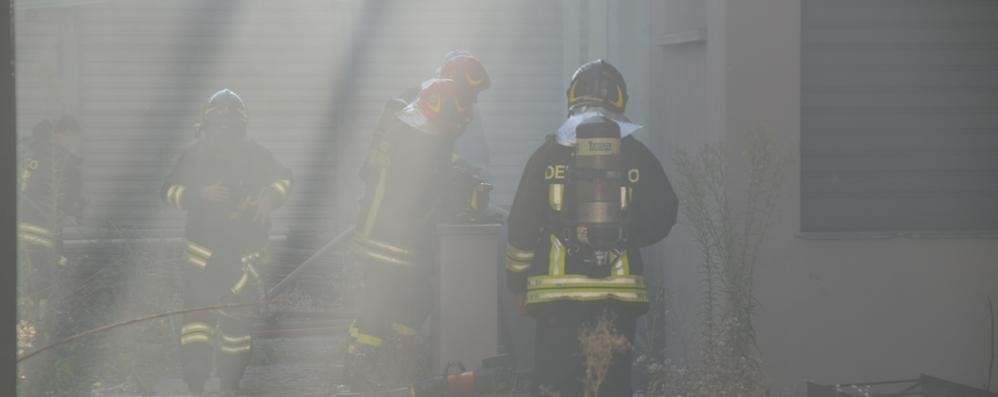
<point x="246" y="169"/>
<point x="406" y="173"/>
<point x="545" y="260"/>
<point x="50" y="188"/>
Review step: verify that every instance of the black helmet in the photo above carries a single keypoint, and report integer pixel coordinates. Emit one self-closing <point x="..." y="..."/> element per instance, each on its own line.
<point x="598" y="83"/>
<point x="225" y="112"/>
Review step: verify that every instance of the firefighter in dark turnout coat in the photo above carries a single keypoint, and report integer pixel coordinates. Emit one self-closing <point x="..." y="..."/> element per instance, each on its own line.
<point x="228" y="185"/>
<point x="408" y="174"/>
<point x="564" y="280"/>
<point x="50" y="190"/>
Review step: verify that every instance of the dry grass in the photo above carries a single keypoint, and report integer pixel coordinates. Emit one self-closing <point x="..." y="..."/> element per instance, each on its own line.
<point x="600" y="342"/>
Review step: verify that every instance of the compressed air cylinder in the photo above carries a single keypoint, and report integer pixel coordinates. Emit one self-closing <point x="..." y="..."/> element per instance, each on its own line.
<point x="598" y="180"/>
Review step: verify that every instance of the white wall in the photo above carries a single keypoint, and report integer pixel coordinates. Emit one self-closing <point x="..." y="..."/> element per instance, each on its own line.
<point x="831" y="311"/>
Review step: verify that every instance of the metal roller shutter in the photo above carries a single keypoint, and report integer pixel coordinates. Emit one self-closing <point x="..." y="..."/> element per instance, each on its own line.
<point x="900" y="116"/>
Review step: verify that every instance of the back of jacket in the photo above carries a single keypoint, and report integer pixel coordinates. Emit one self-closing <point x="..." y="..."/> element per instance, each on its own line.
<point x="549" y="264"/>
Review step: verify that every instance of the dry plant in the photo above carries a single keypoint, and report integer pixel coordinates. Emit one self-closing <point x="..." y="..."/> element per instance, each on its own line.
<point x="599" y="343"/>
<point x="728" y="219"/>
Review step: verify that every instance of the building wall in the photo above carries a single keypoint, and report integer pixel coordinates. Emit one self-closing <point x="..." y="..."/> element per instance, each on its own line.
<point x="830" y="310"/>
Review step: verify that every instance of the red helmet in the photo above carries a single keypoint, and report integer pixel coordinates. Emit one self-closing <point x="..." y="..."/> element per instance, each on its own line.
<point x="445" y="104"/>
<point x="467" y="71"/>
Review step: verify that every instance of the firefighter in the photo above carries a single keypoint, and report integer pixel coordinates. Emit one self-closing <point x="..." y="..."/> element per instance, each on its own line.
<point x="590" y="197"/>
<point x="468" y="71"/>
<point x="229" y="185"/>
<point x="407" y="174"/>
<point x="50" y="193"/>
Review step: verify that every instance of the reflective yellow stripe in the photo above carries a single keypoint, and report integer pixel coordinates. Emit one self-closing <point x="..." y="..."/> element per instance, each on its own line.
<point x="625" y="197"/>
<point x="240" y="284"/>
<point x="543" y="296"/>
<point x="197" y="261"/>
<point x="35" y="229"/>
<point x="622" y="266"/>
<point x="381" y="245"/>
<point x="32" y="239"/>
<point x="235" y="350"/>
<point x="579" y="281"/>
<point x="236" y="339"/>
<point x="282" y="186"/>
<point x="518" y="255"/>
<point x="169" y="194"/>
<point x="63" y="261"/>
<point x="362" y="251"/>
<point x="379" y="194"/>
<point x="474" y="199"/>
<point x="556" y="258"/>
<point x="517" y="267"/>
<point x="196" y="327"/>
<point x="179" y="196"/>
<point x="403" y="330"/>
<point x="365" y="339"/>
<point x="175" y="194"/>
<point x="198" y="249"/>
<point x="518" y="260"/>
<point x="194" y="338"/>
<point x="556" y="196"/>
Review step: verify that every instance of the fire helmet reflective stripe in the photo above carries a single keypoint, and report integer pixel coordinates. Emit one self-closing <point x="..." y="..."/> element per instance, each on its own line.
<point x="467" y="71"/>
<point x="225" y="105"/>
<point x="597" y="83"/>
<point x="444" y="103"/>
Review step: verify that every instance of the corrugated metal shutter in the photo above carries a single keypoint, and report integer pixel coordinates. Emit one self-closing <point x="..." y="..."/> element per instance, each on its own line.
<point x="38" y="72"/>
<point x="144" y="69"/>
<point x="900" y="115"/>
<point x="520" y="44"/>
<point x="147" y="68"/>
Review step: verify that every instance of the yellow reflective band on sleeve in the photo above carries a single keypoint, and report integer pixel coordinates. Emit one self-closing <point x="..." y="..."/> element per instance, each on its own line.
<point x="196" y="327"/>
<point x="364" y="339"/>
<point x="198" y="249"/>
<point x="35" y="229"/>
<point x="174" y="195"/>
<point x="518" y="260"/>
<point x="517" y="267"/>
<point x="169" y="194"/>
<point x="556" y="260"/>
<point x="63" y="261"/>
<point x="556" y="196"/>
<point x="32" y="239"/>
<point x="474" y="199"/>
<point x="282" y="186"/>
<point x="403" y="330"/>
<point x="198" y="254"/>
<point x="34" y="234"/>
<point x="379" y="195"/>
<point x="236" y="339"/>
<point x="519" y="255"/>
<point x="197" y="261"/>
